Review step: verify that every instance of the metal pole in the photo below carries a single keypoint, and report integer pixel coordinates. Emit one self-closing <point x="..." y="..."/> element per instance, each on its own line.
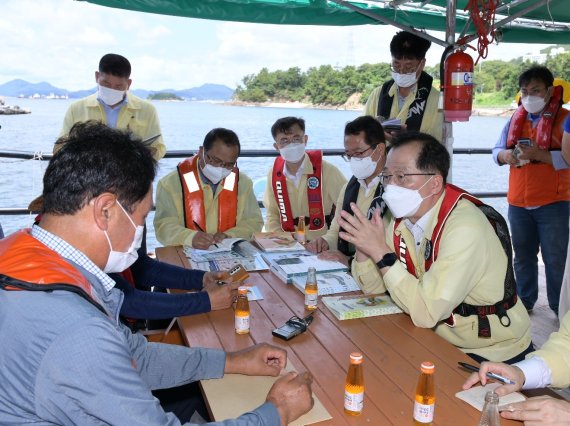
<point x="450" y="40"/>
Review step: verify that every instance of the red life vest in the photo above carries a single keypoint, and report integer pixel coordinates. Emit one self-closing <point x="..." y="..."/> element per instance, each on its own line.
<point x="536" y="183"/>
<point x="27" y="264"/>
<point x="452" y="196"/>
<point x="194" y="197"/>
<point x="314" y="193"/>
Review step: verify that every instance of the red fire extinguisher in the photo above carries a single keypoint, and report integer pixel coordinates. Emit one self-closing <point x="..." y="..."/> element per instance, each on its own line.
<point x="458" y="87"/>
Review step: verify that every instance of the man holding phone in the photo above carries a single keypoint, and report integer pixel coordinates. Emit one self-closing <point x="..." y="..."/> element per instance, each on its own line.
<point x="539" y="185"/>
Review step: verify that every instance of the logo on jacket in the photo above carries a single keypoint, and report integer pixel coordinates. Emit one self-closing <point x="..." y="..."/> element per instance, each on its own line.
<point x="313" y="182"/>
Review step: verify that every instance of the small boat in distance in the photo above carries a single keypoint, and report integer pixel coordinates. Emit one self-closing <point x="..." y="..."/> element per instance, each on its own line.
<point x="12" y="110"/>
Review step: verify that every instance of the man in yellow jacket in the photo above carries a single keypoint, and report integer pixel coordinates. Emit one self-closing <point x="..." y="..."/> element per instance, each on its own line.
<point x="207" y="198"/>
<point x="549" y="366"/>
<point x="440" y="258"/>
<point x="409" y="95"/>
<point x="115" y="106"/>
<point x="300" y="183"/>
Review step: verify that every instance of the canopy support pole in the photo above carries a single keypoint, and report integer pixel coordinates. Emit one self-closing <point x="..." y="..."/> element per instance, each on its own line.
<point x="380" y="18"/>
<point x="447" y="135"/>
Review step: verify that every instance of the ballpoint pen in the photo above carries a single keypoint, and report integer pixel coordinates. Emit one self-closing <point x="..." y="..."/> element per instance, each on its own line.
<point x="489" y="374"/>
<point x="201" y="230"/>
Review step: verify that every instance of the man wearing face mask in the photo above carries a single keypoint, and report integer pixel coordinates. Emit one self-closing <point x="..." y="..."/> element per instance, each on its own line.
<point x="539" y="185"/>
<point x="409" y="95"/>
<point x="115" y="106"/>
<point x="365" y="150"/>
<point x="300" y="183"/>
<point x="440" y="257"/>
<point x="77" y="364"/>
<point x="207" y="198"/>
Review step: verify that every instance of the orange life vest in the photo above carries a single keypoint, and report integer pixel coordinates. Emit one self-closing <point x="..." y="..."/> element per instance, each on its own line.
<point x="536" y="183"/>
<point x="27" y="264"/>
<point x="452" y="196"/>
<point x="314" y="193"/>
<point x="194" y="197"/>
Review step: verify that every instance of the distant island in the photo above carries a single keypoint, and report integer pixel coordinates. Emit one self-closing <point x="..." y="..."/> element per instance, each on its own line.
<point x="19" y="88"/>
<point x="164" y="96"/>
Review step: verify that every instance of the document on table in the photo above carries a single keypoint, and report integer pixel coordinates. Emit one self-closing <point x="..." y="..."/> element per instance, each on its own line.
<point x="235" y="394"/>
<point x="476" y="396"/>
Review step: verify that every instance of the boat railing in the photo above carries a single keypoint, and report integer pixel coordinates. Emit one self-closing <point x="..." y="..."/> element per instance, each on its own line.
<point x="41" y="156"/>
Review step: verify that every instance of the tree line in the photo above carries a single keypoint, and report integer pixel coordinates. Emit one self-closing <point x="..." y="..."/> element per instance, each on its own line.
<point x="496" y="82"/>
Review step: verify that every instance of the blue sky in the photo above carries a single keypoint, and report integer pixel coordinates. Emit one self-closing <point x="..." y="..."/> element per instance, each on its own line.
<point x="61" y="41"/>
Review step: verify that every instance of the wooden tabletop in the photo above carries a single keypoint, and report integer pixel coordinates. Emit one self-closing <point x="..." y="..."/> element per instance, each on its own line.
<point x="392" y="346"/>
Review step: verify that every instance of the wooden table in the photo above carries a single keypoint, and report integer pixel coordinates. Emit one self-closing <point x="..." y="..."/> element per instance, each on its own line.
<point x="392" y="346"/>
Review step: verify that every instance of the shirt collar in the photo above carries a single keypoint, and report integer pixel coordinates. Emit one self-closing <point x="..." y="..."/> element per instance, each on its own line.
<point x="371" y="186"/>
<point x="296" y="178"/>
<point x="418" y="229"/>
<point x="67" y="251"/>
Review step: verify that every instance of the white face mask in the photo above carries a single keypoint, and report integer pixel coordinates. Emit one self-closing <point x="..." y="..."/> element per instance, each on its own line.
<point x="404" y="80"/>
<point x="403" y="202"/>
<point x="110" y="96"/>
<point x="119" y="261"/>
<point x="213" y="173"/>
<point x="533" y="104"/>
<point x="363" y="168"/>
<point x="293" y="152"/>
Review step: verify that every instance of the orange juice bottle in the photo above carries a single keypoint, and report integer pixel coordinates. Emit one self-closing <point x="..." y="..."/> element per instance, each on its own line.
<point x="300" y="230"/>
<point x="424" y="403"/>
<point x="242" y="312"/>
<point x="354" y="386"/>
<point x="311" y="290"/>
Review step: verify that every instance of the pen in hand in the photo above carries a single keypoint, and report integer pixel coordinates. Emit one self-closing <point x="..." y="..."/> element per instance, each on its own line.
<point x="489" y="374"/>
<point x="201" y="230"/>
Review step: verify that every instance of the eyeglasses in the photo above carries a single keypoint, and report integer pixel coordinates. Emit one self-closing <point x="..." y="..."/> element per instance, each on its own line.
<point x="284" y="141"/>
<point x="216" y="162"/>
<point x="406" y="69"/>
<point x="347" y="157"/>
<point x="400" y="178"/>
<point x="534" y="92"/>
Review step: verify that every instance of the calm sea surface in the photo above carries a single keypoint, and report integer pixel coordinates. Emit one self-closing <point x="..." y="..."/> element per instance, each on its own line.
<point x="184" y="125"/>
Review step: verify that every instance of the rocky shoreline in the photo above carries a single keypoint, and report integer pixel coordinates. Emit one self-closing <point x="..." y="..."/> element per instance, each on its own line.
<point x="477" y="111"/>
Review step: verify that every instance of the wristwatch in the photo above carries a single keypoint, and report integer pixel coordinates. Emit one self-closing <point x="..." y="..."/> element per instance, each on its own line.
<point x="388" y="260"/>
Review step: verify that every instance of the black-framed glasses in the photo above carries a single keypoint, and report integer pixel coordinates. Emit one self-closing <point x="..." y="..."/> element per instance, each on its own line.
<point x="400" y="178"/>
<point x="216" y="162"/>
<point x="347" y="157"/>
<point x="283" y="142"/>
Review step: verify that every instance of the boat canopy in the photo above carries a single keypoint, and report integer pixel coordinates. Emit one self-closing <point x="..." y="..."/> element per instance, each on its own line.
<point x="518" y="21"/>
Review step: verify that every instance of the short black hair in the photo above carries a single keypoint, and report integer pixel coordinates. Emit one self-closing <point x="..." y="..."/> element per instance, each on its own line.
<point x="227" y="136"/>
<point x="373" y="130"/>
<point x="283" y="125"/>
<point x="95" y="159"/>
<point x="433" y="156"/>
<point x="116" y="65"/>
<point x="536" y="73"/>
<point x="405" y="45"/>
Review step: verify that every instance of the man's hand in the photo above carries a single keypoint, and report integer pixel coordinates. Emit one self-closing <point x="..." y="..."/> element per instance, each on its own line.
<point x="219" y="237"/>
<point x="317" y="246"/>
<point x="202" y="240"/>
<point x="334" y="255"/>
<point x="534" y="153"/>
<point x="222" y="296"/>
<point x="542" y="410"/>
<point x="211" y="278"/>
<point x="369" y="236"/>
<point x="292" y="396"/>
<point x="257" y="360"/>
<point x="506" y="157"/>
<point x="505" y="370"/>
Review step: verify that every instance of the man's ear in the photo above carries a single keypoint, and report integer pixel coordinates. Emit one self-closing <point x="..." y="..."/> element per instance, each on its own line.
<point x="102" y="209"/>
<point x="437" y="184"/>
<point x="306" y="137"/>
<point x="275" y="146"/>
<point x="97" y="77"/>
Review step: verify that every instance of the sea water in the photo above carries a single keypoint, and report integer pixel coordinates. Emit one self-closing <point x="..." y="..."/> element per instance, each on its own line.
<point x="184" y="125"/>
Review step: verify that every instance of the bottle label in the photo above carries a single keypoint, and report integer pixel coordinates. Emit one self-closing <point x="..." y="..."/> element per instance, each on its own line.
<point x="311" y="299"/>
<point x="300" y="237"/>
<point x="423" y="413"/>
<point x="353" y="401"/>
<point x="242" y="323"/>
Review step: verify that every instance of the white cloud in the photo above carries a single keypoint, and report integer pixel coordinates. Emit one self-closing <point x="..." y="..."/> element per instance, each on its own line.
<point x="62" y="41"/>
